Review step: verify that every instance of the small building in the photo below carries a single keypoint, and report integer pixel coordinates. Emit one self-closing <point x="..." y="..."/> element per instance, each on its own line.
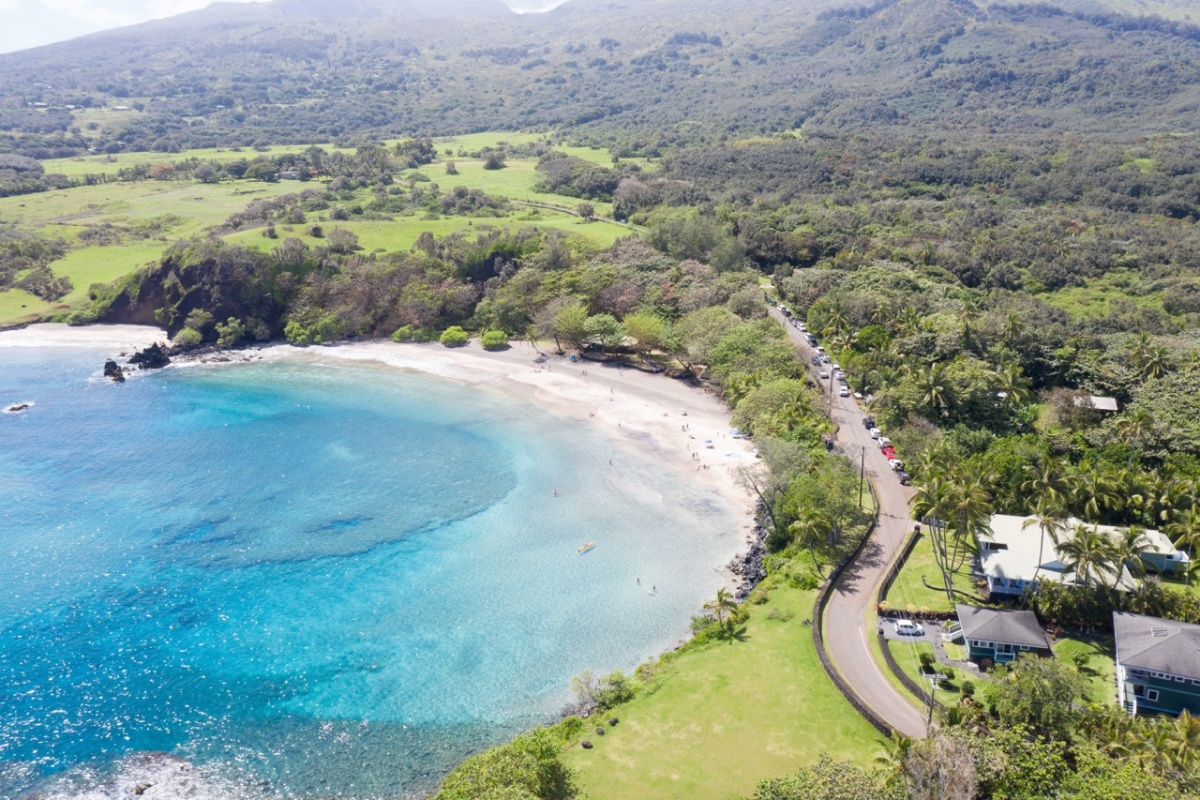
<point x="1158" y="664"/>
<point x="1001" y="635"/>
<point x="1106" y="404"/>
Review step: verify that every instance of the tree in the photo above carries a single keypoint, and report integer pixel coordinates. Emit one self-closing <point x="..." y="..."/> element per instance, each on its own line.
<point x="646" y="329"/>
<point x="527" y="768"/>
<point x="940" y="767"/>
<point x="1048" y="517"/>
<point x="586" y="210"/>
<point x="494" y="160"/>
<point x="570" y="322"/>
<point x="828" y="780"/>
<point x="231" y="332"/>
<point x="1037" y="693"/>
<point x="721" y="605"/>
<point x="605" y="330"/>
<point x="451" y="168"/>
<point x="1185" y="532"/>
<point x="811" y="528"/>
<point x="342" y="240"/>
<point x="1089" y="554"/>
<point x="1127" y="551"/>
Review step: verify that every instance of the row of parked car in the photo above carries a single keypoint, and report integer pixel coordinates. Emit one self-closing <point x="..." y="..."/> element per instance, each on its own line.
<point x="828" y="370"/>
<point x="889" y="452"/>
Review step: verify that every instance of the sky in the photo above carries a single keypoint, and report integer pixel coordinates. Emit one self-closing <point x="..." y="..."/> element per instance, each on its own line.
<point x="29" y="23"/>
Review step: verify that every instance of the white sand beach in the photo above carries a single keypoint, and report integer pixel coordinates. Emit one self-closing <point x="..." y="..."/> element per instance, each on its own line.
<point x="651" y="413"/>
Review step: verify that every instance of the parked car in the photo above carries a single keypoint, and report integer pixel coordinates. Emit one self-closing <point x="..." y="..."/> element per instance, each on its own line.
<point x="896" y="464"/>
<point x="906" y="627"/>
<point x="824" y="374"/>
<point x="858" y="396"/>
<point x="812" y="340"/>
<point x="825" y="359"/>
<point x="876" y="433"/>
<point x="868" y="422"/>
<point x="802" y="326"/>
<point x="884" y="442"/>
<point x="816" y="360"/>
<point x="844" y="392"/>
<point x="905" y="478"/>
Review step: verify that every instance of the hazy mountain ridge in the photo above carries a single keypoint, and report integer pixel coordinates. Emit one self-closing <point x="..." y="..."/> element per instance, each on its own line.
<point x="284" y="72"/>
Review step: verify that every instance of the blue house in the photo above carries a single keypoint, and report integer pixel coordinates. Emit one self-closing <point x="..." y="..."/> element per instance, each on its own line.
<point x="1001" y="634"/>
<point x="1158" y="664"/>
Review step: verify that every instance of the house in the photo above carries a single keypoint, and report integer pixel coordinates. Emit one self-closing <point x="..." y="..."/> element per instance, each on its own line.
<point x="1009" y="555"/>
<point x="1001" y="635"/>
<point x="1098" y="403"/>
<point x="1158" y="664"/>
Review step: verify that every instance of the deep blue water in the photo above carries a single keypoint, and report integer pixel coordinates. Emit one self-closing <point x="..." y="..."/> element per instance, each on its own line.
<point x="315" y="578"/>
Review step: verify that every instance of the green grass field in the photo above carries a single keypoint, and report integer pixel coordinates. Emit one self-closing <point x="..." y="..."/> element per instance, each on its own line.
<point x="1100" y="670"/>
<point x="724" y="717"/>
<point x="909" y="593"/>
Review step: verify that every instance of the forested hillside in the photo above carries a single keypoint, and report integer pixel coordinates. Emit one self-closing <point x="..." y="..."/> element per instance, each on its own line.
<point x="651" y="75"/>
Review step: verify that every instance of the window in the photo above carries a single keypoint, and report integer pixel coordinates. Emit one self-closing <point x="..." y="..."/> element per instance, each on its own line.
<point x="1006" y="648"/>
<point x="1179" y="680"/>
<point x="1139" y="690"/>
<point x="1152" y="695"/>
<point x="1024" y="647"/>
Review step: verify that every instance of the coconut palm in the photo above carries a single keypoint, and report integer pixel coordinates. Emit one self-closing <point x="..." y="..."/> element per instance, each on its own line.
<point x="1094" y="492"/>
<point x="1185" y="533"/>
<point x="1132" y="429"/>
<point x="812" y="526"/>
<point x="1089" y="554"/>
<point x="935" y="388"/>
<point x="1048" y="478"/>
<point x="1014" y="384"/>
<point x="1128" y="550"/>
<point x="721" y="605"/>
<point x="1048" y="517"/>
<point x="893" y="755"/>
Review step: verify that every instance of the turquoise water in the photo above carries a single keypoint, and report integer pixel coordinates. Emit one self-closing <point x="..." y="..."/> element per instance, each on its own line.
<point x="313" y="579"/>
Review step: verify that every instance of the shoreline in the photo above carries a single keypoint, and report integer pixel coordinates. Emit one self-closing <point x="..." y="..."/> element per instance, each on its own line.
<point x="651" y="413"/>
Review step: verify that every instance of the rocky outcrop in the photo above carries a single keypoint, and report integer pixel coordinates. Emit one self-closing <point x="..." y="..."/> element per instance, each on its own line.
<point x="153" y="357"/>
<point x="113" y="370"/>
<point x="749" y="567"/>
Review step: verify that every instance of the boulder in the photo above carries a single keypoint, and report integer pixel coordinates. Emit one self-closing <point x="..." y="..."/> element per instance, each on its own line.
<point x="113" y="370"/>
<point x="153" y="357"/>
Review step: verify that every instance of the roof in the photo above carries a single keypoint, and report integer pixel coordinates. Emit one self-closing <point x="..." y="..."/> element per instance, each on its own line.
<point x="1021" y="541"/>
<point x="1010" y="626"/>
<point x="1099" y="403"/>
<point x="1158" y="645"/>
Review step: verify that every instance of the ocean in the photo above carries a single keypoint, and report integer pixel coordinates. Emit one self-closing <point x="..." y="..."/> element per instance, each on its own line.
<point x="310" y="580"/>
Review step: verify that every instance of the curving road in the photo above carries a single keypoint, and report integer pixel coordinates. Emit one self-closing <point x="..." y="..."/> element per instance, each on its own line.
<point x="846" y="632"/>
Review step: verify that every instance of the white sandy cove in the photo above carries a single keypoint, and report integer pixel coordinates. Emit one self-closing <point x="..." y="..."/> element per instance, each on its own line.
<point x="645" y="411"/>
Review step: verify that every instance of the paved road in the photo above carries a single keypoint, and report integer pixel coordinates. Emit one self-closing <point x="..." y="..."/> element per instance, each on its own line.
<point x="853" y="598"/>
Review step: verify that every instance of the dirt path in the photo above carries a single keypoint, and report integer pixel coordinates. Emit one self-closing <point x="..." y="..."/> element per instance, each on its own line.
<point x="846" y="631"/>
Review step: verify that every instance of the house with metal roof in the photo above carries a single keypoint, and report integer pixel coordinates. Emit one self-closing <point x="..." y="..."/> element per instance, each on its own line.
<point x="1015" y="552"/>
<point x="1001" y="634"/>
<point x="1158" y="664"/>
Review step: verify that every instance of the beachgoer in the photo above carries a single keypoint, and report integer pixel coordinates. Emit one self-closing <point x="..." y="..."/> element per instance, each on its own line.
<point x="556" y="492"/>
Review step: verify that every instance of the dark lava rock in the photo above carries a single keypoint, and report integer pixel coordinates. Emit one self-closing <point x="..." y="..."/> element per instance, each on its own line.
<point x="599" y="731"/>
<point x="113" y="370"/>
<point x="17" y="408"/>
<point x="586" y="745"/>
<point x="153" y="357"/>
<point x="613" y="721"/>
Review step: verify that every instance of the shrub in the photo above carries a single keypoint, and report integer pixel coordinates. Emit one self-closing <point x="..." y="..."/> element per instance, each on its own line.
<point x="230" y="332"/>
<point x="188" y="337"/>
<point x="495" y="340"/>
<point x="615" y="688"/>
<point x="967" y="688"/>
<point x="527" y="767"/>
<point x="455" y="336"/>
<point x="926" y="663"/>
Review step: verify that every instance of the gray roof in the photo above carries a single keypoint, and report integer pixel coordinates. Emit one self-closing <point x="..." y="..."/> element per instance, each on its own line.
<point x="1159" y="645"/>
<point x="1005" y="627"/>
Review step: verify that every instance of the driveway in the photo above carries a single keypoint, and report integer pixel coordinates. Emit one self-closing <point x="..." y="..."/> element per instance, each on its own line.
<point x="846" y="630"/>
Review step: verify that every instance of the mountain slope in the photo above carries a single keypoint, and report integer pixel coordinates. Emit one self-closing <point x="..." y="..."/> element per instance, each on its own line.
<point x="649" y="72"/>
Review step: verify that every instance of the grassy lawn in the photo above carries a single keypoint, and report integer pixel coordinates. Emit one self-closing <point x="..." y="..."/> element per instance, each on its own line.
<point x="516" y="181"/>
<point x="1100" y="669"/>
<point x="724" y="717"/>
<point x="909" y="593"/>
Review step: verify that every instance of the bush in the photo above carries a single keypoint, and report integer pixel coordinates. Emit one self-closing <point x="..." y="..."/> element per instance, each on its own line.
<point x="527" y="767"/>
<point x="187" y="337"/>
<point x="615" y="688"/>
<point x="231" y="332"/>
<point x="967" y="688"/>
<point x="455" y="336"/>
<point x="495" y="340"/>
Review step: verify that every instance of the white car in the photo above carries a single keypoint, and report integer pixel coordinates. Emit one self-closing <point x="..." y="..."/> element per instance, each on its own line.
<point x="896" y="464"/>
<point x="876" y="433"/>
<point x="802" y="326"/>
<point x="906" y="627"/>
<point x="858" y="396"/>
<point x="824" y="374"/>
<point x="844" y="392"/>
<point x="884" y="442"/>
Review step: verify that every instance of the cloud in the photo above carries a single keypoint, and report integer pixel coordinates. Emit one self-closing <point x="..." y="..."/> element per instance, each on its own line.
<point x="91" y="12"/>
<point x="8" y="5"/>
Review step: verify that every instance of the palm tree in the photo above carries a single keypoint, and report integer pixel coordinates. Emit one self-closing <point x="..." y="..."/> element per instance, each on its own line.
<point x="812" y="526"/>
<point x="893" y="755"/>
<point x="936" y="391"/>
<point x="1093" y="492"/>
<point x="722" y="604"/>
<point x="1047" y="478"/>
<point x="1089" y="554"/>
<point x="1014" y="384"/>
<point x="1127" y="551"/>
<point x="1185" y="532"/>
<point x="1132" y="429"/>
<point x="1048" y="517"/>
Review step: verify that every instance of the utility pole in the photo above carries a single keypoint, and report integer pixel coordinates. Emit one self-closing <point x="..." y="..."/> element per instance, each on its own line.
<point x="862" y="474"/>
